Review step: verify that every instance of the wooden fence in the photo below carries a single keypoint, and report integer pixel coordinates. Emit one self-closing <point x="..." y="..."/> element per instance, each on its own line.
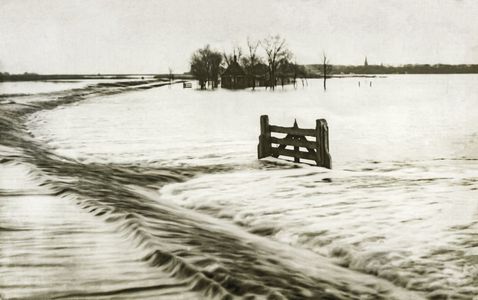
<point x="187" y="85"/>
<point x="317" y="150"/>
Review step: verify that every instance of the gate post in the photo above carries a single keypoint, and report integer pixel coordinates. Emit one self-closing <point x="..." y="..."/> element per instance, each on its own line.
<point x="264" y="147"/>
<point x="323" y="156"/>
<point x="296" y="149"/>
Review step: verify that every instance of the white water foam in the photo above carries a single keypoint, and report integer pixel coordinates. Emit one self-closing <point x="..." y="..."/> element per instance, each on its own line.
<point x="400" y="204"/>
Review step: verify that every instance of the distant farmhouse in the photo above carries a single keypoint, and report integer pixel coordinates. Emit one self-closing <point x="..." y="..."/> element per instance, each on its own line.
<point x="235" y="77"/>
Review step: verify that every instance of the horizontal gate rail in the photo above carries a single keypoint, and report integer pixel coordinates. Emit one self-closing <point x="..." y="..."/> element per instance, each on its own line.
<point x="293" y="142"/>
<point x="292" y="130"/>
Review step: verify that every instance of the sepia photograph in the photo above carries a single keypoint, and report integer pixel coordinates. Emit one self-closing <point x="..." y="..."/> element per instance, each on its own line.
<point x="249" y="149"/>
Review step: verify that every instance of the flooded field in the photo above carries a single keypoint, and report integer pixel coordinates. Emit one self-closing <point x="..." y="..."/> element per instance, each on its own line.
<point x="128" y="192"/>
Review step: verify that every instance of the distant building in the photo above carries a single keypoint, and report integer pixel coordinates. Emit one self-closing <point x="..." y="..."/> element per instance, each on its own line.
<point x="365" y="63"/>
<point x="234" y="77"/>
<point x="258" y="75"/>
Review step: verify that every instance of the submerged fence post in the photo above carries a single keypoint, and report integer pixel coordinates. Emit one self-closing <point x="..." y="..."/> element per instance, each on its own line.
<point x="323" y="156"/>
<point x="264" y="147"/>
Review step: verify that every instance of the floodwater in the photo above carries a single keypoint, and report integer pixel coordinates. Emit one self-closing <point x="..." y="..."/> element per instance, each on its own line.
<point x="34" y="87"/>
<point x="113" y="192"/>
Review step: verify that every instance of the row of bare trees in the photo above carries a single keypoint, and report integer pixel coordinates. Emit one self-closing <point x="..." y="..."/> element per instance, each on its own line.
<point x="207" y="63"/>
<point x="205" y="66"/>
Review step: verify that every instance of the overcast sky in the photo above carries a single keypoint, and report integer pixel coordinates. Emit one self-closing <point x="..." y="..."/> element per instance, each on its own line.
<point x="140" y="36"/>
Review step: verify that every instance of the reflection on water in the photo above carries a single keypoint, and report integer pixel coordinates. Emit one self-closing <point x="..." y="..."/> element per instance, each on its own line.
<point x="172" y="200"/>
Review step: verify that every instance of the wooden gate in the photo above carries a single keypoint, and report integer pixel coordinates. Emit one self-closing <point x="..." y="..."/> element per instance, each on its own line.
<point x="317" y="150"/>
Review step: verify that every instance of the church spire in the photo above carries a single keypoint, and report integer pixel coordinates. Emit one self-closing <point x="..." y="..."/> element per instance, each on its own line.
<point x="365" y="63"/>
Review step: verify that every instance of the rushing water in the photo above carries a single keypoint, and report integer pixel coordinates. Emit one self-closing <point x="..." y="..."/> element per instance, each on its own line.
<point x="159" y="194"/>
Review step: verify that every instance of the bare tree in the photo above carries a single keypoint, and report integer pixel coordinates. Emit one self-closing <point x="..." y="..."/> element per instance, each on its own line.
<point x="170" y="76"/>
<point x="327" y="68"/>
<point x="295" y="67"/>
<point x="277" y="52"/>
<point x="200" y="65"/>
<point x="215" y="60"/>
<point x="304" y="73"/>
<point x="285" y="70"/>
<point x="236" y="53"/>
<point x="205" y="65"/>
<point x="251" y="59"/>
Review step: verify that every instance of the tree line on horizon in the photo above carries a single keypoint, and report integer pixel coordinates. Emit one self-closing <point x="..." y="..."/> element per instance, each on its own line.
<point x="207" y="65"/>
<point x="404" y="69"/>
